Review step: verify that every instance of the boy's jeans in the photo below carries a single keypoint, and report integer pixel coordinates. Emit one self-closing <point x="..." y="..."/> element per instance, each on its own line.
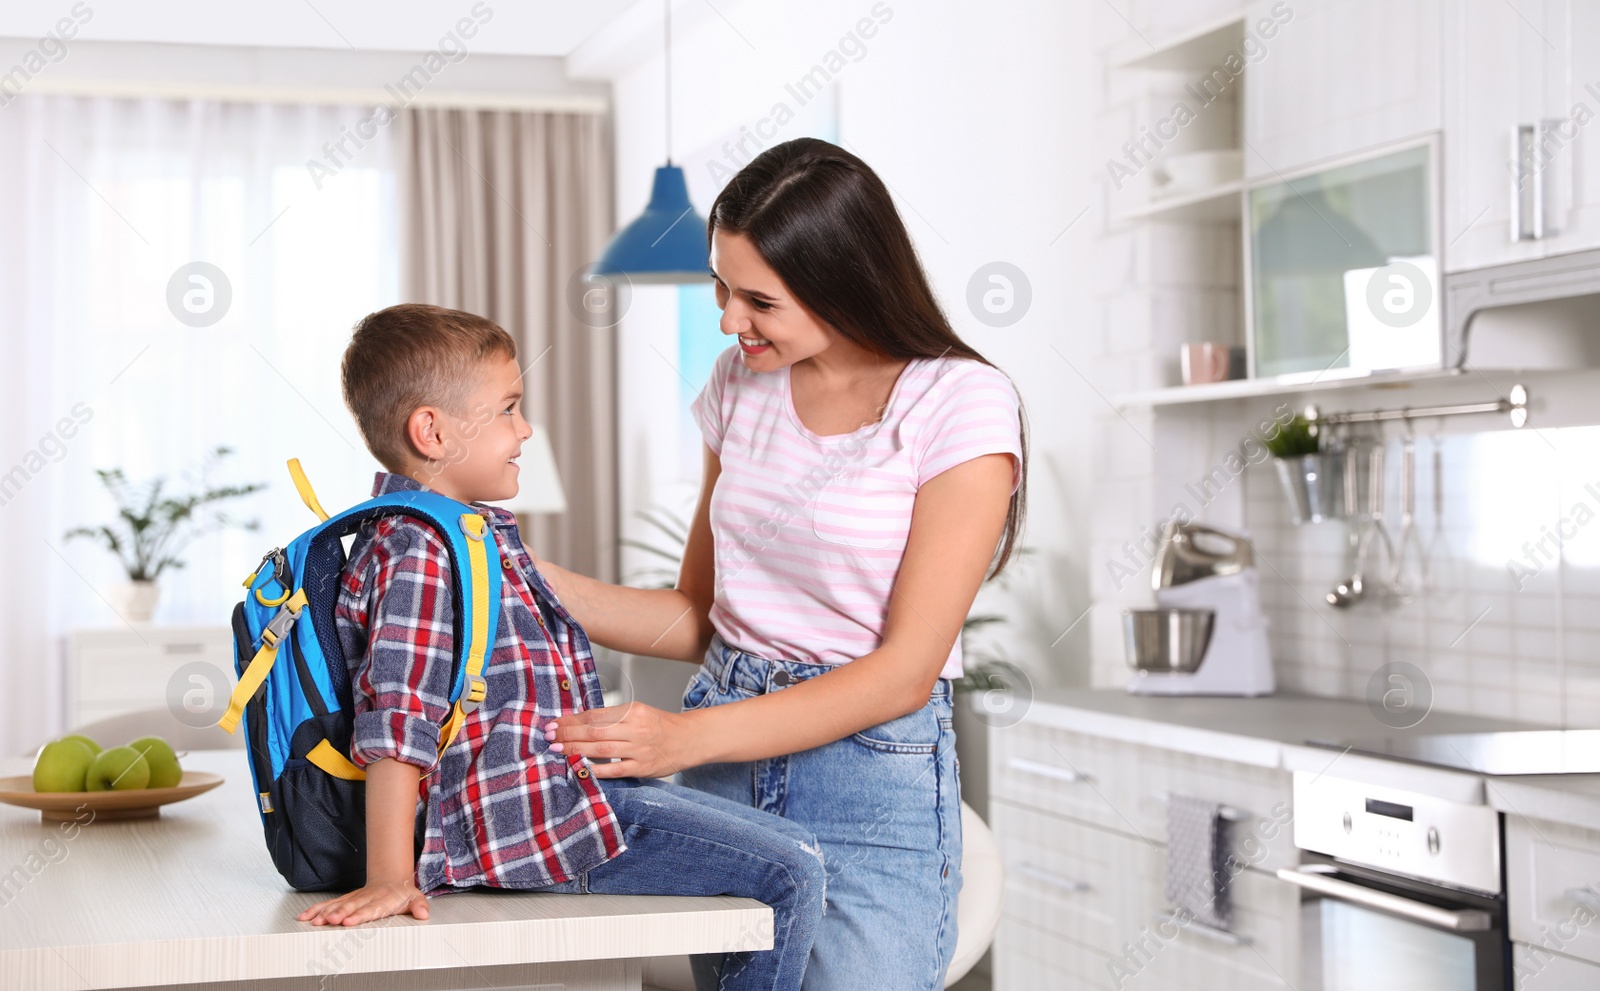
<point x="686" y="842"/>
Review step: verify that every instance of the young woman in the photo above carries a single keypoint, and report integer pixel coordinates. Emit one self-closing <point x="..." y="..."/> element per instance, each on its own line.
<point x="864" y="473"/>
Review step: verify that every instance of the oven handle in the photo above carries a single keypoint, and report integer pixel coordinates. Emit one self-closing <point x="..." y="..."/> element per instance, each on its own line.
<point x="1315" y="877"/>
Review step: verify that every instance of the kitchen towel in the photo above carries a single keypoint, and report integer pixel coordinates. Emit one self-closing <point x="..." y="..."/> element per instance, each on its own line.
<point x="1197" y="861"/>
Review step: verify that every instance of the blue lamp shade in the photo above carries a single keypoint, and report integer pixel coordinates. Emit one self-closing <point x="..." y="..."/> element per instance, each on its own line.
<point x="667" y="244"/>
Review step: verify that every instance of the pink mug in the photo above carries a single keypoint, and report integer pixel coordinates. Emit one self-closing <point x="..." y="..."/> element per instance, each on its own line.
<point x="1206" y="362"/>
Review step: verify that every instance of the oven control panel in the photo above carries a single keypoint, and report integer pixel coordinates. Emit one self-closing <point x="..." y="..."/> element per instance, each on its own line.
<point x="1451" y="843"/>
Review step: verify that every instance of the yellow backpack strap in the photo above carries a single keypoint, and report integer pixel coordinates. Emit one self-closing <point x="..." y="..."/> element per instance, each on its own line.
<point x="473" y="692"/>
<point x="331" y="760"/>
<point x="303" y="486"/>
<point x="261" y="664"/>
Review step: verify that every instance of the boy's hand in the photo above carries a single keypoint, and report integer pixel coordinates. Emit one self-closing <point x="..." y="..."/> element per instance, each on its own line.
<point x="374" y="901"/>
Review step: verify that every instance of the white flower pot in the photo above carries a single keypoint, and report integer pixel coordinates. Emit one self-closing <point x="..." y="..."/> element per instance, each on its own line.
<point x="136" y="601"/>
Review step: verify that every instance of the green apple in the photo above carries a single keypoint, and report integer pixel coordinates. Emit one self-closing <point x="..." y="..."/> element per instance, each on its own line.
<point x="62" y="765"/>
<point x="118" y="769"/>
<point x="165" y="771"/>
<point x="94" y="747"/>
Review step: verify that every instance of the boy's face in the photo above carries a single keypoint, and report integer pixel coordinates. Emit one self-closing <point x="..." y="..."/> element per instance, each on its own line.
<point x="474" y="451"/>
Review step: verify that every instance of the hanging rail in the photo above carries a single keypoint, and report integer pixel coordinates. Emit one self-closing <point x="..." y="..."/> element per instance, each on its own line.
<point x="1516" y="405"/>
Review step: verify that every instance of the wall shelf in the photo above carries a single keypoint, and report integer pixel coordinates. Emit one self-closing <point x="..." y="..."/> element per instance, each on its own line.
<point x="1195" y="50"/>
<point x="1179" y="395"/>
<point x="1216" y="204"/>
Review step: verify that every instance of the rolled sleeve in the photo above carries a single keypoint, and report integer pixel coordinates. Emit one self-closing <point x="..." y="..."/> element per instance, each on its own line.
<point x="401" y="689"/>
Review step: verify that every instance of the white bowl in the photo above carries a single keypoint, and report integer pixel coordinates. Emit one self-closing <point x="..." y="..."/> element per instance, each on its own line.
<point x="1197" y="170"/>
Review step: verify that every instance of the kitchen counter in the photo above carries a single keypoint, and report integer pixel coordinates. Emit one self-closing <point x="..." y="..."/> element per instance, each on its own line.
<point x="1272" y="732"/>
<point x="191" y="898"/>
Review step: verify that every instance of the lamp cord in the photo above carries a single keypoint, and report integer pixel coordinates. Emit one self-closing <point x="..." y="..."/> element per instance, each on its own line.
<point x="667" y="21"/>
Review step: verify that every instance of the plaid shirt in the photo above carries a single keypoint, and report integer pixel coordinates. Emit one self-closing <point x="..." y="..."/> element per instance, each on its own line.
<point x="501" y="809"/>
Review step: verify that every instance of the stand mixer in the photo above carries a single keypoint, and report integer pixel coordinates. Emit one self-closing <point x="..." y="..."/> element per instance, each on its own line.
<point x="1207" y="635"/>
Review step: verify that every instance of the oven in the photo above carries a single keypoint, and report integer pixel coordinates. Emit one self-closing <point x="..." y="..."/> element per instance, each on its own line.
<point x="1399" y="891"/>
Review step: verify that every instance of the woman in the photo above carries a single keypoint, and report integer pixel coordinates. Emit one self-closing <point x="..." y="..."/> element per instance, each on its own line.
<point x="862" y="466"/>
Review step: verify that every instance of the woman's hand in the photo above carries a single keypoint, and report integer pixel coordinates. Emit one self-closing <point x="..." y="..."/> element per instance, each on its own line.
<point x="650" y="742"/>
<point x="373" y="901"/>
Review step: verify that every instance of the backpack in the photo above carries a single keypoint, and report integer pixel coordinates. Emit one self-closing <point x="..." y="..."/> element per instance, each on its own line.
<point x="298" y="714"/>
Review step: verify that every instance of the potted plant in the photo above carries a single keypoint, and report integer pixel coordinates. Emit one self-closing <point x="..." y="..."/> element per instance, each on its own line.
<point x="153" y="527"/>
<point x="1312" y="480"/>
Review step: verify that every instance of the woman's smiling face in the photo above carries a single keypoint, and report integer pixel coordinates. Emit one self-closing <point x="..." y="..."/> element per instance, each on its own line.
<point x="774" y="329"/>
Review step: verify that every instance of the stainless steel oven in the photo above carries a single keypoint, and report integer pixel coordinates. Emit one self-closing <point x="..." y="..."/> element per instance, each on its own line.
<point x="1399" y="890"/>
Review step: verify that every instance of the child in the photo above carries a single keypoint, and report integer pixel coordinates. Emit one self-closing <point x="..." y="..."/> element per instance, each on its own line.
<point x="437" y="396"/>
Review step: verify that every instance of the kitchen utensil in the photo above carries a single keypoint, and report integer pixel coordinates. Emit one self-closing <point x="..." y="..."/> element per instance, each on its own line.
<point x="1167" y="639"/>
<point x="1192" y="551"/>
<point x="135" y="803"/>
<point x="1365" y="463"/>
<point x="1401" y="588"/>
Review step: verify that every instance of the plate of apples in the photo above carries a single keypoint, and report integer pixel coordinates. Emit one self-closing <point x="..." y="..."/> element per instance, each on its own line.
<point x="75" y="774"/>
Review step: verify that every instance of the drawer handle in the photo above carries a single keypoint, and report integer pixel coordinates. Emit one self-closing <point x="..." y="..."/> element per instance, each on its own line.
<point x="1209" y="932"/>
<point x="1316" y="877"/>
<point x="1043" y="770"/>
<point x="1584" y="897"/>
<point x="1053" y="880"/>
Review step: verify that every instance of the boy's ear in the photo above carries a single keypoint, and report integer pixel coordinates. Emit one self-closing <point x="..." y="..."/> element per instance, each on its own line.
<point x="422" y="431"/>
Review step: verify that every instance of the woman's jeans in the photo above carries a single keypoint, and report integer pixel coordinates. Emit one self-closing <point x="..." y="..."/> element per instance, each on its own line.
<point x="684" y="842"/>
<point x="885" y="804"/>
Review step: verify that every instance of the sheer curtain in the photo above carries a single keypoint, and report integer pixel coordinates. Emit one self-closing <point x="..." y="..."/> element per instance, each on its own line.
<point x="102" y="204"/>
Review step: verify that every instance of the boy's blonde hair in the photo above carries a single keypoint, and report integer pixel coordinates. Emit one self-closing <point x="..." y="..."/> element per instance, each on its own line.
<point x="409" y="356"/>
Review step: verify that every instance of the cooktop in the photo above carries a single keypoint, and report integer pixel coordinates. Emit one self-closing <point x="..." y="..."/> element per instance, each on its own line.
<point x="1572" y="751"/>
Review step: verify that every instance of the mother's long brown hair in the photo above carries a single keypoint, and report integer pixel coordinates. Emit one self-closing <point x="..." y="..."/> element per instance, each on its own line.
<point x="825" y="223"/>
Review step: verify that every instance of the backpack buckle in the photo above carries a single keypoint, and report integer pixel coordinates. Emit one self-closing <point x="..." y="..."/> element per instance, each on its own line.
<point x="475" y="692"/>
<point x="283" y="620"/>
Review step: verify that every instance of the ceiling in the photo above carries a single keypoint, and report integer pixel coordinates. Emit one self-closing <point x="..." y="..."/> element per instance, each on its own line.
<point x="511" y="27"/>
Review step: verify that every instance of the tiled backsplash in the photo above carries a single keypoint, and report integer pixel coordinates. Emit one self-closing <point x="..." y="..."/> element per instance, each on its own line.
<point x="1507" y="622"/>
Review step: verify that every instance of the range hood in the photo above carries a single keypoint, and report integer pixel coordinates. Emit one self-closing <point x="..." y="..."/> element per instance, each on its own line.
<point x="1540" y="314"/>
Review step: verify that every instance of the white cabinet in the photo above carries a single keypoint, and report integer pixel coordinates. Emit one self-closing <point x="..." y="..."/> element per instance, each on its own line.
<point x="1081" y="825"/>
<point x="1536" y="968"/>
<point x="123" y="669"/>
<point x="1553" y="887"/>
<point x="1521" y="69"/>
<point x="1338" y="78"/>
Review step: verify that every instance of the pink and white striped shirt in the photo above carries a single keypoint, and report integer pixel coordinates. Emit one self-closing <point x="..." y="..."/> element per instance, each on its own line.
<point x="809" y="530"/>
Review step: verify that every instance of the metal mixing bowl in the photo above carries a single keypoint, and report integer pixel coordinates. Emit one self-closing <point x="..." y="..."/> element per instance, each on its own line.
<point x="1166" y="640"/>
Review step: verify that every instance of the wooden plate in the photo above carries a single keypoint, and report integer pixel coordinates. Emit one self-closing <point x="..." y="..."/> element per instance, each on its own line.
<point x="136" y="803"/>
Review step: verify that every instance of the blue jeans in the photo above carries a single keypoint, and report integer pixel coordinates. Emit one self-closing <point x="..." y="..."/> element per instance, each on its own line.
<point x="684" y="842"/>
<point x="885" y="804"/>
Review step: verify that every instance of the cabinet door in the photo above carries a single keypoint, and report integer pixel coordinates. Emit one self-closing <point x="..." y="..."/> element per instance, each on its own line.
<point x="1572" y="110"/>
<point x="1497" y="56"/>
<point x="1339" y="77"/>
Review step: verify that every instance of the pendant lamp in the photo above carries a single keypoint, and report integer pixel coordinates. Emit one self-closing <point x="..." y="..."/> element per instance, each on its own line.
<point x="667" y="243"/>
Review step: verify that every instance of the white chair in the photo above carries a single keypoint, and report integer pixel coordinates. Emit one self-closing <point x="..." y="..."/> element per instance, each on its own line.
<point x="114" y="731"/>
<point x="977" y="912"/>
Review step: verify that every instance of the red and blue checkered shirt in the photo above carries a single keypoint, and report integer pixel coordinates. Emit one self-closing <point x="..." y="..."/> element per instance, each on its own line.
<point x="501" y="809"/>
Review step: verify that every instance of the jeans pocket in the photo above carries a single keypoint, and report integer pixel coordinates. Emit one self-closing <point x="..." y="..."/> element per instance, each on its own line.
<point x="700" y="692"/>
<point x="914" y="733"/>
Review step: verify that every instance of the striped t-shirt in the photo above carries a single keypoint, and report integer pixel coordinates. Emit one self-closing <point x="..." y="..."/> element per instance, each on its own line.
<point x="809" y="530"/>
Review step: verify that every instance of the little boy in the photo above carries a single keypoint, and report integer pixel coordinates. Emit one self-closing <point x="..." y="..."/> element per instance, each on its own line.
<point x="437" y="396"/>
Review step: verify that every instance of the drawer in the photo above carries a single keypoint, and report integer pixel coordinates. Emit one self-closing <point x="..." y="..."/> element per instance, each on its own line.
<point x="115" y="673"/>
<point x="1553" y="887"/>
<point x="1265" y="795"/>
<point x="1266" y="922"/>
<point x="1064" y="876"/>
<point x="1027" y="958"/>
<point x="1536" y="968"/>
<point x="1088" y="778"/>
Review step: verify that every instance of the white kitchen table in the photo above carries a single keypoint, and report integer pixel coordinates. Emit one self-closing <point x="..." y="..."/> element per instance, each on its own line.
<point x="190" y="899"/>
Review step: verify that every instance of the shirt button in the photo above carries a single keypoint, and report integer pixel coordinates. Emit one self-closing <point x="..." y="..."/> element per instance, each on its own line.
<point x="507" y="563"/>
<point x="566" y="685"/>
<point x="540" y="618"/>
<point x="583" y="772"/>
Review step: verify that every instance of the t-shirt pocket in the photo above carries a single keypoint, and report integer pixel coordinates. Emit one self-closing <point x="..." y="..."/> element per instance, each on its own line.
<point x="867" y="508"/>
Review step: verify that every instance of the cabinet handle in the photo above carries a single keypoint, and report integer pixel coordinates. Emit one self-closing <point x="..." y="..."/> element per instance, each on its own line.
<point x="1043" y="770"/>
<point x="1584" y="897"/>
<point x="1538" y="181"/>
<point x="1523" y="142"/>
<point x="1053" y="880"/>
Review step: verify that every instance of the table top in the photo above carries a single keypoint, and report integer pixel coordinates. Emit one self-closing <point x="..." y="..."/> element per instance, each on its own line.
<point x="191" y="896"/>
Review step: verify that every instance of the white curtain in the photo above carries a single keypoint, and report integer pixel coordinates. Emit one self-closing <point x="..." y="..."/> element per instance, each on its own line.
<point x="102" y="201"/>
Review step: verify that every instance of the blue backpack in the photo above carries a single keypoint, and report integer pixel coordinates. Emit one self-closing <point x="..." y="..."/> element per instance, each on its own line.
<point x="298" y="714"/>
